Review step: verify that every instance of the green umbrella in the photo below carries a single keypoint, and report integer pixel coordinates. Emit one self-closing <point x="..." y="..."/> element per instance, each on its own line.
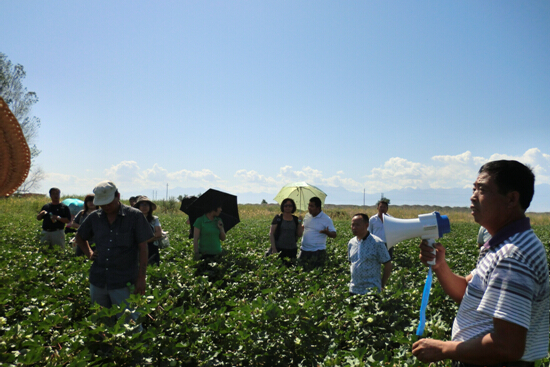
<point x="300" y="192"/>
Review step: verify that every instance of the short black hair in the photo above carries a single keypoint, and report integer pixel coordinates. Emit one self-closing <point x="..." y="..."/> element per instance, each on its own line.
<point x="316" y="201"/>
<point x="283" y="205"/>
<point x="213" y="207"/>
<point x="362" y="215"/>
<point x="54" y="189"/>
<point x="512" y="176"/>
<point x="383" y="200"/>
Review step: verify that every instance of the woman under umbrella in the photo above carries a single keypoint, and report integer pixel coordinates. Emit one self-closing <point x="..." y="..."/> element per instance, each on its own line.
<point x="208" y="233"/>
<point x="285" y="230"/>
<point x="147" y="207"/>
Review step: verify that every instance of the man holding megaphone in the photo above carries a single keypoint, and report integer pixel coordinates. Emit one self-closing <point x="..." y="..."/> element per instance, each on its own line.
<point x="504" y="302"/>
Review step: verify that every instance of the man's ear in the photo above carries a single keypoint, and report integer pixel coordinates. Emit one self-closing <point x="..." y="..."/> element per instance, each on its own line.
<point x="513" y="199"/>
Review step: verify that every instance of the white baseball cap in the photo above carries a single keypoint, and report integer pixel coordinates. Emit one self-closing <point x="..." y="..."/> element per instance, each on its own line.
<point x="104" y="193"/>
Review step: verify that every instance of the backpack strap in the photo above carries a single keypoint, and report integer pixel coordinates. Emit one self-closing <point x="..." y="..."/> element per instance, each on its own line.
<point x="278" y="229"/>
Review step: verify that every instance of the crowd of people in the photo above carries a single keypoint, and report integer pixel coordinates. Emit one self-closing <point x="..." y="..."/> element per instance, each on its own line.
<point x="503" y="318"/>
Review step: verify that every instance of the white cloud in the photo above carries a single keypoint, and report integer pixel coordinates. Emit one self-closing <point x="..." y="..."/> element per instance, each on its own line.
<point x="186" y="178"/>
<point x="155" y="174"/>
<point x="126" y="172"/>
<point x="252" y="181"/>
<point x="538" y="161"/>
<point x="447" y="171"/>
<point x="70" y="184"/>
<point x="308" y="174"/>
<point x="443" y="171"/>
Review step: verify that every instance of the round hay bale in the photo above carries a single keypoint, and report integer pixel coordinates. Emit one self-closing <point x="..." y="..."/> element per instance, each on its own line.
<point x="15" y="155"/>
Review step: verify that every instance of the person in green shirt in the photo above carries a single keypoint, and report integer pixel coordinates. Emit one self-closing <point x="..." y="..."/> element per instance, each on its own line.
<point x="208" y="234"/>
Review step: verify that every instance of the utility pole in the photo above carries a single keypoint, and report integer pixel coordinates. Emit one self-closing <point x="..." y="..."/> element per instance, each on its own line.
<point x="166" y="192"/>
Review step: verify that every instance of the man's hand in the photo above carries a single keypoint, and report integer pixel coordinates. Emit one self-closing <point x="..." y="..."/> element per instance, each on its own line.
<point x="328" y="233"/>
<point x="429" y="350"/>
<point x="426" y="254"/>
<point x="140" y="286"/>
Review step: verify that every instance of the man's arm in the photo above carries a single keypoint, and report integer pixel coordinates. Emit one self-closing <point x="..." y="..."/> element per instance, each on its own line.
<point x="331" y="234"/>
<point x="454" y="285"/>
<point x="387" y="272"/>
<point x="143" y="259"/>
<point x="66" y="216"/>
<point x="84" y="246"/>
<point x="41" y="215"/>
<point x="506" y="343"/>
<point x="63" y="220"/>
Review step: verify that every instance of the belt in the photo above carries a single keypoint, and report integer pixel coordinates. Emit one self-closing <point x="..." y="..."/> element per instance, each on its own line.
<point x="53" y="230"/>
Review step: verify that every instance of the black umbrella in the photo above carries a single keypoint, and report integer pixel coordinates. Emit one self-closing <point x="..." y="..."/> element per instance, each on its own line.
<point x="185" y="202"/>
<point x="212" y="199"/>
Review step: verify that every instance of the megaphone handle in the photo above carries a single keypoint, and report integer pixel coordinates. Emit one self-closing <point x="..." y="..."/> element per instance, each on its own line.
<point x="431" y="242"/>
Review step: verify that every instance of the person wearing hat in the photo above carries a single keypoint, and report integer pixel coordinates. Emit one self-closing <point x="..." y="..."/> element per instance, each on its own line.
<point x="147" y="207"/>
<point x="120" y="233"/>
<point x="54" y="216"/>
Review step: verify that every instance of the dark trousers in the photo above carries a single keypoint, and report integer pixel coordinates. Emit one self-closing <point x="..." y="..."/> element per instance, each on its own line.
<point x="154" y="255"/>
<point x="313" y="259"/>
<point x="285" y="254"/>
<point x="390" y="251"/>
<point x="503" y="364"/>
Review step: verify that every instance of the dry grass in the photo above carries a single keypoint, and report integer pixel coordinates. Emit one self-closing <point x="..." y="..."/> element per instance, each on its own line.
<point x="343" y="212"/>
<point x="33" y="204"/>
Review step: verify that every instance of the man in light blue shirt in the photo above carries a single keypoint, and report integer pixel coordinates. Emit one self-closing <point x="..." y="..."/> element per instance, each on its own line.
<point x="366" y="254"/>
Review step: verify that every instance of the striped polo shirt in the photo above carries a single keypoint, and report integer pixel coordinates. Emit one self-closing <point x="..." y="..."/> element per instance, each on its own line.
<point x="509" y="283"/>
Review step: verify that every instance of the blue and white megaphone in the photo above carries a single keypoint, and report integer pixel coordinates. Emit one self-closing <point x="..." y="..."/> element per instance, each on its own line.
<point x="428" y="227"/>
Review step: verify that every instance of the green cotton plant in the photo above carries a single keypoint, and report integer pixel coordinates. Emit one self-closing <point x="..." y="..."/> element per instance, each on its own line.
<point x="244" y="309"/>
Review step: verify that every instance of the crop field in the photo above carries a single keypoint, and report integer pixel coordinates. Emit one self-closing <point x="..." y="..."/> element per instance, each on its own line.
<point x="245" y="310"/>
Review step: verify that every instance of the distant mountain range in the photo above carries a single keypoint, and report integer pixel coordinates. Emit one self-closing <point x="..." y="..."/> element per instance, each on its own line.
<point x="341" y="196"/>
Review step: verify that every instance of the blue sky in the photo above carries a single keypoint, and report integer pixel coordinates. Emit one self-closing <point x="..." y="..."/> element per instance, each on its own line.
<point x="247" y="96"/>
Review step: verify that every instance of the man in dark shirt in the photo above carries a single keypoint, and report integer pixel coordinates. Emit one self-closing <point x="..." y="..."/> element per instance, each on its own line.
<point x="54" y="216"/>
<point x="120" y="233"/>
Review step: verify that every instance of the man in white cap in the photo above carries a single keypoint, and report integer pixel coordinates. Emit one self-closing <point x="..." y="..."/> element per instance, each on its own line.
<point x="120" y="233"/>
